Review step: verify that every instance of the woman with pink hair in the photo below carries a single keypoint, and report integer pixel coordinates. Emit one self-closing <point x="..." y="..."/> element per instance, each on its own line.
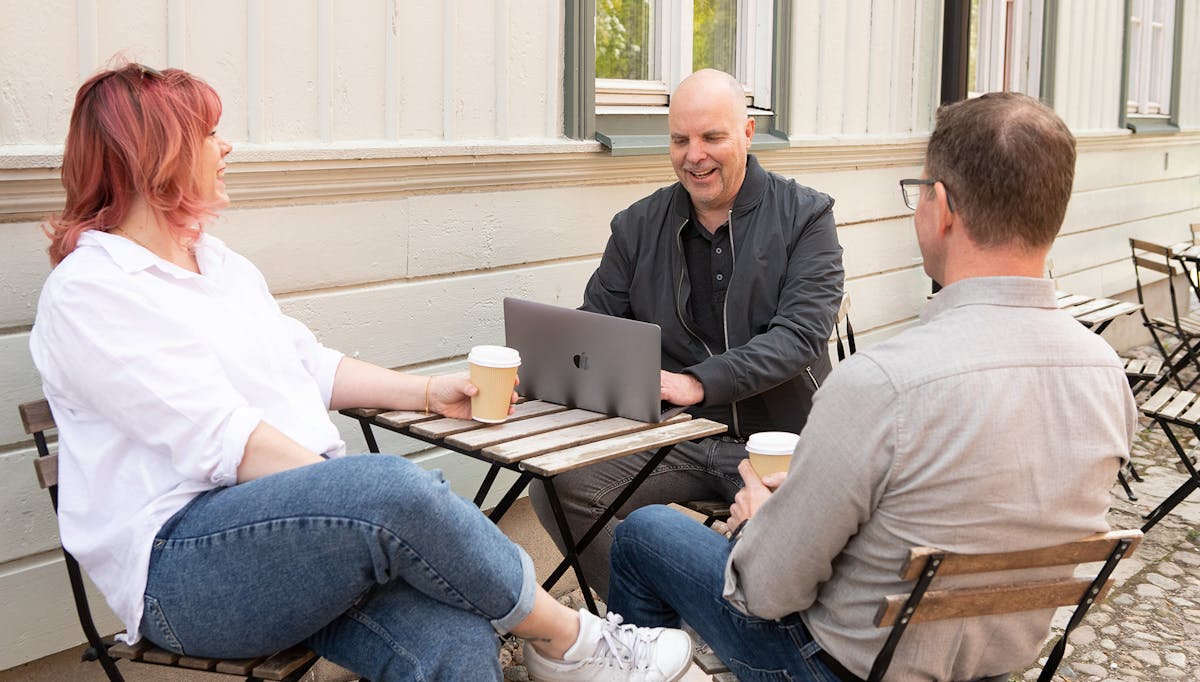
<point x="202" y="484"/>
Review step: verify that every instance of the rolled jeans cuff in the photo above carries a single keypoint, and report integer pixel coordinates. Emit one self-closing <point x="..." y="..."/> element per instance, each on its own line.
<point x="524" y="606"/>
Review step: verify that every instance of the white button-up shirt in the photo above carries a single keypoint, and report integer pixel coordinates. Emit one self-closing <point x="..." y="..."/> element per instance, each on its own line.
<point x="156" y="377"/>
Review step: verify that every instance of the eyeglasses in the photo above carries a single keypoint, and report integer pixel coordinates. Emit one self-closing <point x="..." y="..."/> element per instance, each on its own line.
<point x="910" y="189"/>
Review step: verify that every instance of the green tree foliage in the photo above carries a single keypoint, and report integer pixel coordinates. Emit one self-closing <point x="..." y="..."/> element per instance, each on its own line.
<point x="714" y="36"/>
<point x="623" y="39"/>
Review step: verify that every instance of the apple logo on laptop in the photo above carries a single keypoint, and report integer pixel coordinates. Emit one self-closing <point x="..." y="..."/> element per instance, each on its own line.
<point x="580" y="360"/>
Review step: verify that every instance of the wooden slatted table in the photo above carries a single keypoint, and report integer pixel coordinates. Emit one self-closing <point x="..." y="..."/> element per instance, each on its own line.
<point x="539" y="441"/>
<point x="1095" y="313"/>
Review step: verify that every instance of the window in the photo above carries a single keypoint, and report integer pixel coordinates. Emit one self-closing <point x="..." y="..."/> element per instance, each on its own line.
<point x="1006" y="46"/>
<point x="625" y="57"/>
<point x="645" y="47"/>
<point x="1151" y="39"/>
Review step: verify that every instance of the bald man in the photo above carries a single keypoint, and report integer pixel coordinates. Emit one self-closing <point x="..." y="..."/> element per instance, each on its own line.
<point x="742" y="270"/>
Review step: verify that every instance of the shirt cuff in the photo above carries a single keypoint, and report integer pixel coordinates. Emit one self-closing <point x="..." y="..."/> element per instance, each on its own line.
<point x="732" y="591"/>
<point x="324" y="371"/>
<point x="237" y="432"/>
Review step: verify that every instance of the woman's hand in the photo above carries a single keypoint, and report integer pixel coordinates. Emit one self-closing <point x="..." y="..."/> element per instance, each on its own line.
<point x="450" y="395"/>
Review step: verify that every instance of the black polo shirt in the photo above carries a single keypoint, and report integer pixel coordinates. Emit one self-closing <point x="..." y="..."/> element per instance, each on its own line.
<point x="709" y="263"/>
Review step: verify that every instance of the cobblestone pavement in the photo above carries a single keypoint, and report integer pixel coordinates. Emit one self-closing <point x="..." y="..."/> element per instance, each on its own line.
<point x="1149" y="627"/>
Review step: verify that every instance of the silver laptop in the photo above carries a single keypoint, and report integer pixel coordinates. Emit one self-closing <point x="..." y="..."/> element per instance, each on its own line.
<point x="587" y="360"/>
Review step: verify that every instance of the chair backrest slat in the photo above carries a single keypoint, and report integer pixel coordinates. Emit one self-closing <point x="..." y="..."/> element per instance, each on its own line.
<point x="988" y="601"/>
<point x="1094" y="548"/>
<point x="1156" y="249"/>
<point x="1165" y="268"/>
<point x="36" y="416"/>
<point x="1000" y="588"/>
<point x="47" y="470"/>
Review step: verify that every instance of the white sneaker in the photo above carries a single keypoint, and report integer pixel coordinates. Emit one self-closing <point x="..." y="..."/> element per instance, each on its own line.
<point x="607" y="650"/>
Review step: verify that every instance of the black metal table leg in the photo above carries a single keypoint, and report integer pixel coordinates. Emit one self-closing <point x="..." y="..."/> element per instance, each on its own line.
<point x="486" y="485"/>
<point x="598" y="526"/>
<point x="369" y="435"/>
<point x="572" y="554"/>
<point x="511" y="496"/>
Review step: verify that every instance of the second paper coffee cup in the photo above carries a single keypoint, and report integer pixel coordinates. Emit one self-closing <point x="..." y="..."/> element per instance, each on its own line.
<point x="771" y="451"/>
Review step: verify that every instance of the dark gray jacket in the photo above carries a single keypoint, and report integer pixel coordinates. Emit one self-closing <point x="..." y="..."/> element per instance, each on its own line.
<point x="780" y="306"/>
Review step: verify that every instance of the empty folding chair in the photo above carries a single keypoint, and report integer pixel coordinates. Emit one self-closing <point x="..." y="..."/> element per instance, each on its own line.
<point x="1180" y="332"/>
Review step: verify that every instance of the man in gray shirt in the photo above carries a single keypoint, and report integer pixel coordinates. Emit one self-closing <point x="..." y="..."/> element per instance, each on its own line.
<point x="999" y="423"/>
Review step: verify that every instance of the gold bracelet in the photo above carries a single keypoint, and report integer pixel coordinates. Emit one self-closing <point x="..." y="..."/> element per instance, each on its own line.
<point x="428" y="384"/>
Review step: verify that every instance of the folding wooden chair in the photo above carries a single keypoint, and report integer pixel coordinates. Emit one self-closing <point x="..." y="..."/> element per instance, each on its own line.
<point x="1169" y="407"/>
<point x="1142" y="372"/>
<point x="1004" y="594"/>
<point x="1188" y="255"/>
<point x="1185" y="329"/>
<point x="1000" y="596"/>
<point x="290" y="664"/>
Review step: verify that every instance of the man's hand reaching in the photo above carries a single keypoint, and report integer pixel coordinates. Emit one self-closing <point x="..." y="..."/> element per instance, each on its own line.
<point x="680" y="389"/>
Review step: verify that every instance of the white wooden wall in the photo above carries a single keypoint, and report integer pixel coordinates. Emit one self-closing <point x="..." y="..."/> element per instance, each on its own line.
<point x="863" y="68"/>
<point x="398" y="169"/>
<point x="302" y="71"/>
<point x="1090" y="35"/>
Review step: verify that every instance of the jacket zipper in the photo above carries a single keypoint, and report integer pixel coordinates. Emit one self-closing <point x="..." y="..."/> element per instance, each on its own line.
<point x="737" y="430"/>
<point x="724" y="305"/>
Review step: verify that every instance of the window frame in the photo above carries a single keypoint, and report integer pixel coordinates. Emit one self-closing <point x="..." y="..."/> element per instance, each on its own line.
<point x="1037" y="55"/>
<point x="1149" y="123"/>
<point x="629" y="116"/>
<point x="1009" y="52"/>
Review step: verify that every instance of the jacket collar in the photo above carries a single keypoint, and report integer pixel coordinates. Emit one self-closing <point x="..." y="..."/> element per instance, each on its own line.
<point x="748" y="197"/>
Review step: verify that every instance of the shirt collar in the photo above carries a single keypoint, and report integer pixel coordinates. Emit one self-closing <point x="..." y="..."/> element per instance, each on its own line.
<point x="131" y="257"/>
<point x="1017" y="292"/>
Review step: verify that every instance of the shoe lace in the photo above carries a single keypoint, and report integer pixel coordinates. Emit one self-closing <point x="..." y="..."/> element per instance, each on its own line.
<point x="627" y="646"/>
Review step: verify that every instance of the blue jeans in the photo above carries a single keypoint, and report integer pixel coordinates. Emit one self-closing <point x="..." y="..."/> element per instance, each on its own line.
<point x="667" y="567"/>
<point x="369" y="560"/>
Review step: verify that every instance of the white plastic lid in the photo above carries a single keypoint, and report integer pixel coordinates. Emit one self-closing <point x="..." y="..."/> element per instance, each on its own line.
<point x="494" y="356"/>
<point x="772" y="443"/>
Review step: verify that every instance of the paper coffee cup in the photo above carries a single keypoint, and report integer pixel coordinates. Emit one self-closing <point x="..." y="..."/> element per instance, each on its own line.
<point x="771" y="451"/>
<point x="494" y="373"/>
